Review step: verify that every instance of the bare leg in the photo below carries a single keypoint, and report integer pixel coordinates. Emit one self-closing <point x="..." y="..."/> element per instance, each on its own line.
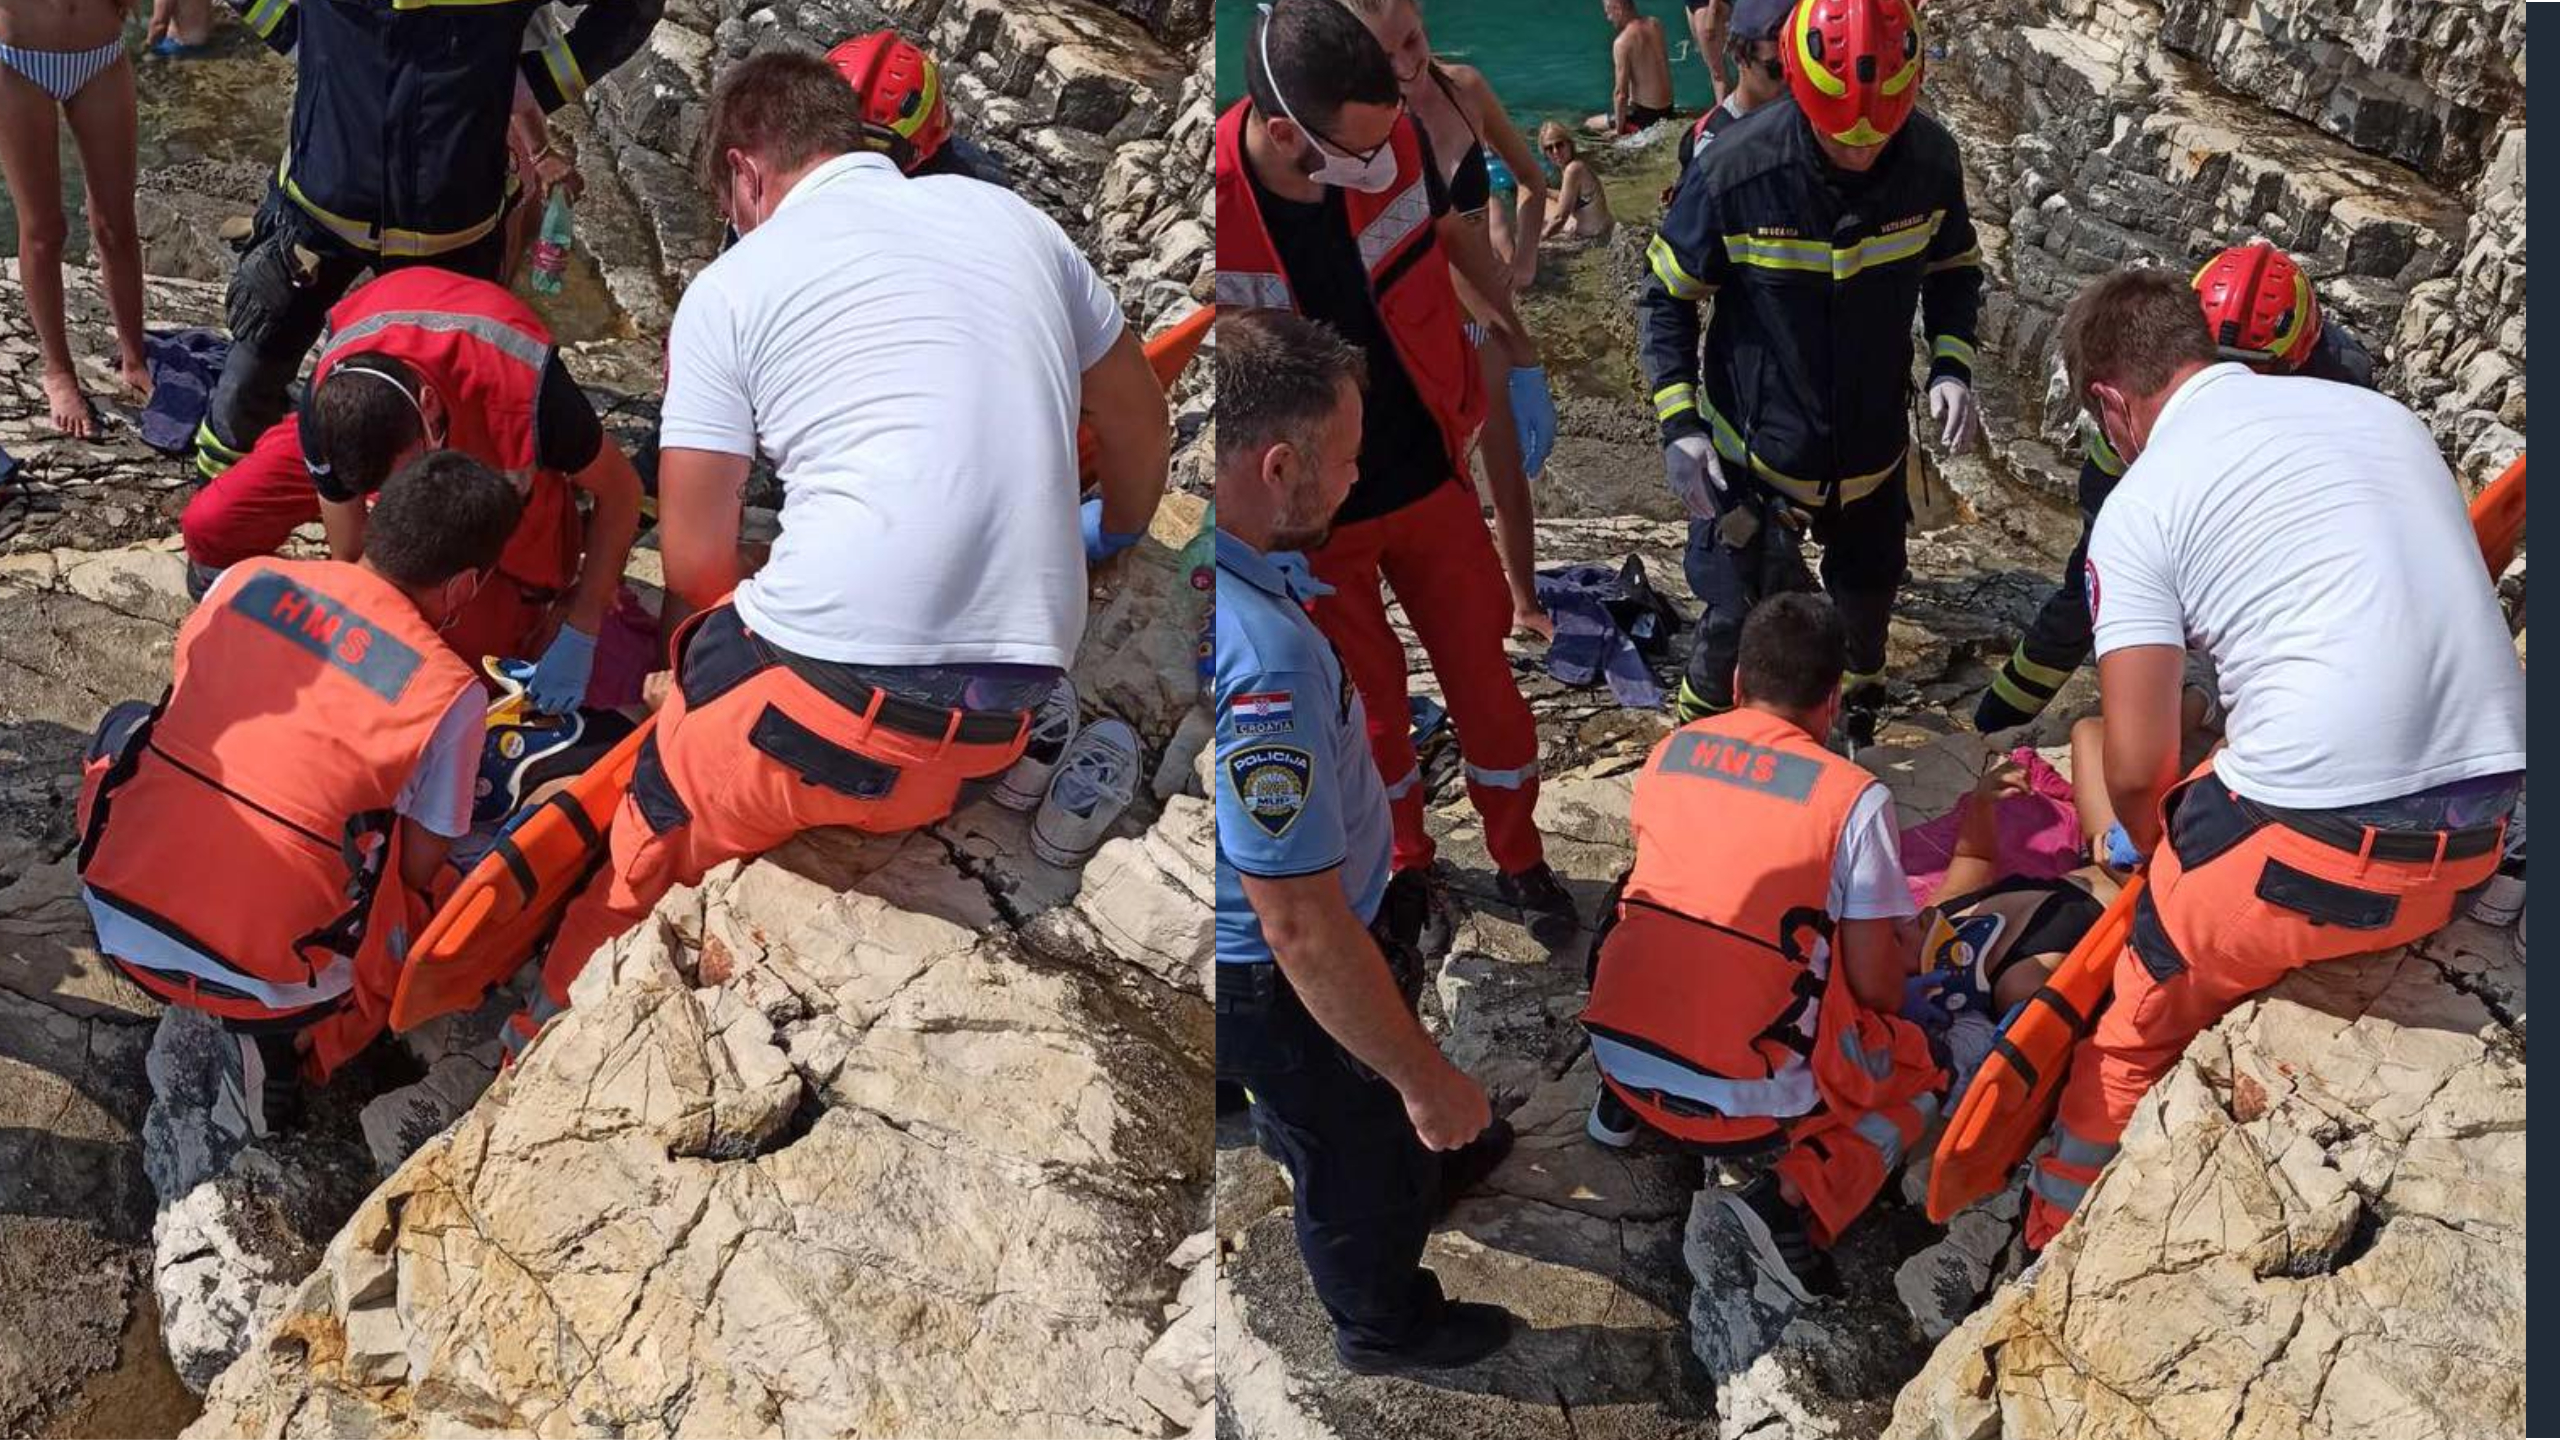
<point x="194" y="22"/>
<point x="29" y="135"/>
<point x="1515" y="514"/>
<point x="102" y="124"/>
<point x="2089" y="781"/>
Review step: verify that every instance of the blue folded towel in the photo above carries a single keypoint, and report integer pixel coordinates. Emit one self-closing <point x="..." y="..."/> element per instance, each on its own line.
<point x="184" y="366"/>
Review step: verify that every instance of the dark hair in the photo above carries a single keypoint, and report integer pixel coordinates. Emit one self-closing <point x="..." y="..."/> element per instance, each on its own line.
<point x="1323" y="59"/>
<point x="363" y="415"/>
<point x="1279" y="375"/>
<point x="1793" y="650"/>
<point x="784" y="107"/>
<point x="441" y="515"/>
<point x="2133" y="329"/>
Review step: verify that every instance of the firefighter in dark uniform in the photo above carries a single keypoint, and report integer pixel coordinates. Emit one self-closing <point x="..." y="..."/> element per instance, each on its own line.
<point x="397" y="156"/>
<point x="1819" y="224"/>
<point x="2265" y="315"/>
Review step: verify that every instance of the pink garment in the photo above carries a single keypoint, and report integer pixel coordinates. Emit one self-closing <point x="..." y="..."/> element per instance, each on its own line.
<point x="2039" y="833"/>
<point x="626" y="651"/>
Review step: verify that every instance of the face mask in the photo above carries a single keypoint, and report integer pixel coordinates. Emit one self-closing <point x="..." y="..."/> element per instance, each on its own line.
<point x="1370" y="176"/>
<point x="471" y="581"/>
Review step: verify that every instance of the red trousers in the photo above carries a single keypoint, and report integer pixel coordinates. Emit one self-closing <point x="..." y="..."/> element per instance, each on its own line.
<point x="2231" y="906"/>
<point x="744" y="758"/>
<point x="253" y="508"/>
<point x="1439" y="557"/>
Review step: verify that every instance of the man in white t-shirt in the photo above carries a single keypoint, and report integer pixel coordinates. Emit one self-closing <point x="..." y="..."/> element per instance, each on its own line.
<point x="1718" y="1014"/>
<point x="2306" y="537"/>
<point x="912" y="353"/>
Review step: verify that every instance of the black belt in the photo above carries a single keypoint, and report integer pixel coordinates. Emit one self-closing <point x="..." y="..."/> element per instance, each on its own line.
<point x="908" y="717"/>
<point x="2404" y="846"/>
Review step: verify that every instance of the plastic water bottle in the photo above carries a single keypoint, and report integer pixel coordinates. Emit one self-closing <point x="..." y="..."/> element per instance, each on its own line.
<point x="551" y="250"/>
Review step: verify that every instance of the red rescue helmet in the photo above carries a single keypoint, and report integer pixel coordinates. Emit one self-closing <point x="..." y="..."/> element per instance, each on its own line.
<point x="2260" y="307"/>
<point x="1854" y="66"/>
<point x="901" y="92"/>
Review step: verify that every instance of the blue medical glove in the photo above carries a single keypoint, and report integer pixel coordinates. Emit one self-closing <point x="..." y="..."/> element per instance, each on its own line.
<point x="2120" y="851"/>
<point x="1533" y="413"/>
<point x="1101" y="544"/>
<point x="560" y="680"/>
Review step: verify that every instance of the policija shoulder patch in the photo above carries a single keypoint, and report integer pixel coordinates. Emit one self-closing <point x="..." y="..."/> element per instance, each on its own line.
<point x="1271" y="782"/>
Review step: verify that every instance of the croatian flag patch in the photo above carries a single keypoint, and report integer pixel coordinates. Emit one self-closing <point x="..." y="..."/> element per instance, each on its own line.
<point x="1262" y="713"/>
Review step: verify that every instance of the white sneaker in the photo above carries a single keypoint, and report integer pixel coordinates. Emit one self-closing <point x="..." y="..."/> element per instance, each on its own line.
<point x="1051" y="730"/>
<point x="2501" y="901"/>
<point x="1097" y="777"/>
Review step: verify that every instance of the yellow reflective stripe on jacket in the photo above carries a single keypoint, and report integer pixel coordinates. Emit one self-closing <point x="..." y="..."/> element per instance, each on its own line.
<point x="1728" y="443"/>
<point x="563" y="65"/>
<point x="264" y="16"/>
<point x="1667" y="269"/>
<point x="1670" y="400"/>
<point x="1948" y="347"/>
<point x="1840" y="262"/>
<point x="2101" y="454"/>
<point x="392" y="241"/>
<point x="1968" y="260"/>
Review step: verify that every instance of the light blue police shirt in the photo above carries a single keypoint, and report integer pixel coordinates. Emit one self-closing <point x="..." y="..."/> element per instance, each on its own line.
<point x="1297" y="791"/>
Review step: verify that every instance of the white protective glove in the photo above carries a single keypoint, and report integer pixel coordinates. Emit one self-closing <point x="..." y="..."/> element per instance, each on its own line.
<point x="1690" y="464"/>
<point x="1959" y="419"/>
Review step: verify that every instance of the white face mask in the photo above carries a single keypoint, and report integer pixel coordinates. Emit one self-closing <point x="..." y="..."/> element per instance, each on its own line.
<point x="1370" y="177"/>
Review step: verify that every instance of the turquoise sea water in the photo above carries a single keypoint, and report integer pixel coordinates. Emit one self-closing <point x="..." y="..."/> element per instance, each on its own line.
<point x="1547" y="59"/>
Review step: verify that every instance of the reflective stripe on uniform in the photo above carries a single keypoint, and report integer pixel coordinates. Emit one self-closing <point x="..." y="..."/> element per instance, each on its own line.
<point x="149" y="946"/>
<point x="1882" y="1134"/>
<point x="2059" y="1191"/>
<point x="1668" y="269"/>
<point x="539" y="1010"/>
<point x="1405" y="784"/>
<point x="2028" y="670"/>
<point x="1948" y="347"/>
<point x="1852" y="679"/>
<point x="2078" y="1151"/>
<point x="1877" y="1064"/>
<point x="1840" y="262"/>
<point x="1253" y="290"/>
<point x="1503" y="779"/>
<point x="265" y="16"/>
<point x="391" y="241"/>
<point x="506" y="339"/>
<point x="212" y="456"/>
<point x="1968" y="260"/>
<point x="1670" y="400"/>
<point x="562" y="62"/>
<point x="2016" y="696"/>
<point x="1394" y="225"/>
<point x="1728" y="443"/>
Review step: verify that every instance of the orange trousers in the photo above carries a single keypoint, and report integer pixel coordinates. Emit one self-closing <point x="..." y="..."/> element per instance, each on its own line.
<point x="746" y="755"/>
<point x="2234" y="902"/>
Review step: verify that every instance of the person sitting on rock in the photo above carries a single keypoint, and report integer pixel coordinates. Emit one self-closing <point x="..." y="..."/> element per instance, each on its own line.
<point x="2264" y="314"/>
<point x="1329" y="205"/>
<point x="260" y="844"/>
<point x="1746" y="995"/>
<point x="1315" y="993"/>
<point x="913" y="357"/>
<point x="397" y="156"/>
<point x="2310" y="539"/>
<point x="424" y="359"/>
<point x="1640" y="67"/>
<point x="1582" y="204"/>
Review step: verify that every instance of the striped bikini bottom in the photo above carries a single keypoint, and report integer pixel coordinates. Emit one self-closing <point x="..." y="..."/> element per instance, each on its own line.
<point x="61" y="74"/>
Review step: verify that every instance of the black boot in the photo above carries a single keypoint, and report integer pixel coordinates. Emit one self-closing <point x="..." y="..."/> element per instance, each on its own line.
<point x="1544" y="904"/>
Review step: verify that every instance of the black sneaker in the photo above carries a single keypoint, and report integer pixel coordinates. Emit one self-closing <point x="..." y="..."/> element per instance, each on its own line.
<point x="1418" y="911"/>
<point x="1544" y="905"/>
<point x="1779" y="1242"/>
<point x="1612" y="1123"/>
<point x="1467" y="1333"/>
<point x="1464" y="1168"/>
<point x="1860" y="709"/>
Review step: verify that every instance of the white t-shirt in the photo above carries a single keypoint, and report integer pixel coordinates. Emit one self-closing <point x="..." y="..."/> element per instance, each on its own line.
<point x="1867" y="879"/>
<point x="910" y="352"/>
<point x="2306" y="537"/>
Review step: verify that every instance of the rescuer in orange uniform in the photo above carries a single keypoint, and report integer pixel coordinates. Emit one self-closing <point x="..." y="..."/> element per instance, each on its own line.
<point x="259" y="845"/>
<point x="1746" y="992"/>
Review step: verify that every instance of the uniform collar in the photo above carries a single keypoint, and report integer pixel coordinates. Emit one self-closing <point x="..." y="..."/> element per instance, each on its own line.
<point x="1282" y="573"/>
<point x="833" y="170"/>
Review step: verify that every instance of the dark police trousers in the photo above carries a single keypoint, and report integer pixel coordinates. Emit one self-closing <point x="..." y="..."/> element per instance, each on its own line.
<point x="1862" y="560"/>
<point x="1366" y="1188"/>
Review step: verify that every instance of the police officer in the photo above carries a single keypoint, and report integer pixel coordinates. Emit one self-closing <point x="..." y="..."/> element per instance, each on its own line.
<point x="1826" y="220"/>
<point x="2263" y="314"/>
<point x="397" y="156"/>
<point x="1314" y="1020"/>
